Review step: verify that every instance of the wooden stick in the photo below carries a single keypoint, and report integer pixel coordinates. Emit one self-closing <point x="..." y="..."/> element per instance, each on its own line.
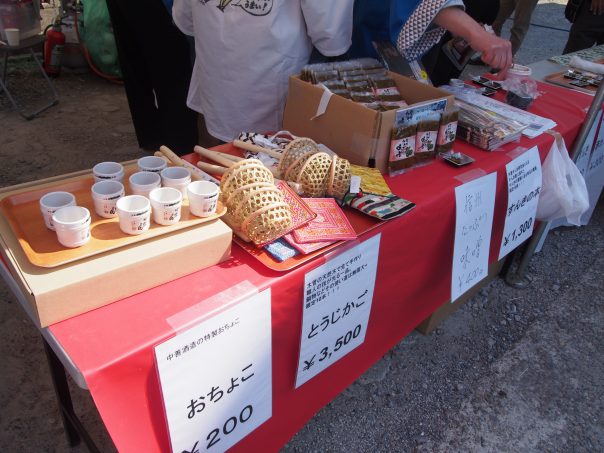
<point x="257" y="149"/>
<point x="215" y="157"/>
<point x="211" y="168"/>
<point x="159" y="154"/>
<point x="196" y="173"/>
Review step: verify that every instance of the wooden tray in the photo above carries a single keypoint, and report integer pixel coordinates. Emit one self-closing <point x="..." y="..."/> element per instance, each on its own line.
<point x="360" y="222"/>
<point x="557" y="78"/>
<point x="41" y="245"/>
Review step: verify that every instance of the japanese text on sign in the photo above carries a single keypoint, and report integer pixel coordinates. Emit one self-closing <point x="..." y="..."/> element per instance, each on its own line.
<point x="216" y="377"/>
<point x="475" y="202"/>
<point x="337" y="303"/>
<point x="524" y="186"/>
<point x="582" y="160"/>
<point x="595" y="168"/>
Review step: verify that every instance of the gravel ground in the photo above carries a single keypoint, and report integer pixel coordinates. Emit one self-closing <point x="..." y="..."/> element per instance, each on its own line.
<point x="512" y="370"/>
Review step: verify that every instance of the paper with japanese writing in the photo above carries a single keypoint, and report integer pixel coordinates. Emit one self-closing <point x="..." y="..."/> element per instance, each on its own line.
<point x="337" y="302"/>
<point x="584" y="156"/>
<point x="524" y="187"/>
<point x="216" y="377"/>
<point x="475" y="202"/>
<point x="595" y="169"/>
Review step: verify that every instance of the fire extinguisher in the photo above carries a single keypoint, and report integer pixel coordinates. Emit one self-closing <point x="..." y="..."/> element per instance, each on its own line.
<point x="53" y="49"/>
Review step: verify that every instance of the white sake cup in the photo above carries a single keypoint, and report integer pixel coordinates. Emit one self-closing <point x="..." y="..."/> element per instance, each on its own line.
<point x="53" y="201"/>
<point x="105" y="195"/>
<point x="176" y="177"/>
<point x="151" y="163"/>
<point x="203" y="198"/>
<point x="166" y="203"/>
<point x="108" y="170"/>
<point x="72" y="224"/>
<point x="134" y="212"/>
<point x="13" y="36"/>
<point x="143" y="182"/>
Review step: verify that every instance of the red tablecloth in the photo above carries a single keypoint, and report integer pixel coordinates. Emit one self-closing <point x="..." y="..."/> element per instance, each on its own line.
<point x="113" y="345"/>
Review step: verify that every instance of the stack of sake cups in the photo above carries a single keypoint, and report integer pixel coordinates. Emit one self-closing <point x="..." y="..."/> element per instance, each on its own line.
<point x="156" y="190"/>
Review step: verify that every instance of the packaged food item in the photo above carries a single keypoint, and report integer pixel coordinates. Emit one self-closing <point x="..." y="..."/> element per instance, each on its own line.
<point x="334" y="84"/>
<point x="363" y="80"/>
<point x="447" y="130"/>
<point x="425" y="140"/>
<point x="353" y="73"/>
<point x="385" y="89"/>
<point x="372" y="105"/>
<point x="402" y="149"/>
<point x="376" y="72"/>
<point x="319" y="77"/>
<point x="364" y="97"/>
<point x="344" y="93"/>
<point x="369" y="63"/>
<point x="359" y="86"/>
<point x="309" y="69"/>
<point x="393" y="105"/>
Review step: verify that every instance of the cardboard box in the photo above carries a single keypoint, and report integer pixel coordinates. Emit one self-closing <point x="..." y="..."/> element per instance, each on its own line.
<point x="448" y="308"/>
<point x="353" y="131"/>
<point x="59" y="293"/>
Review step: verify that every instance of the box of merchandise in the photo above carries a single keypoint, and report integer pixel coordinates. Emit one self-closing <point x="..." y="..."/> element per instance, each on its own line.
<point x="58" y="293"/>
<point x="350" y="129"/>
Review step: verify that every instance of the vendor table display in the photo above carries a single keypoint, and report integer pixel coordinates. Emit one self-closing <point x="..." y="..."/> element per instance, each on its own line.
<point x="113" y="347"/>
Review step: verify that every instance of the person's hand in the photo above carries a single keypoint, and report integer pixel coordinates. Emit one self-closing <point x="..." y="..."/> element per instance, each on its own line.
<point x="496" y="52"/>
<point x="597" y="7"/>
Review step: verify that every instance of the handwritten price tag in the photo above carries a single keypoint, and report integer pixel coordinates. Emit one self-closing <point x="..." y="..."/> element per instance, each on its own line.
<point x="475" y="202"/>
<point x="595" y="169"/>
<point x="337" y="302"/>
<point x="524" y="187"/>
<point x="216" y="377"/>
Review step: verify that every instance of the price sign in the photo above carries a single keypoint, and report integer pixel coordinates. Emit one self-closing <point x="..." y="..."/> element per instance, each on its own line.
<point x="585" y="152"/>
<point x="524" y="186"/>
<point x="337" y="302"/>
<point x="475" y="202"/>
<point x="595" y="169"/>
<point x="216" y="377"/>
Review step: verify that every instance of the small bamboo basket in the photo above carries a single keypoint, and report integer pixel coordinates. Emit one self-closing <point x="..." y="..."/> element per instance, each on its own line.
<point x="255" y="206"/>
<point x="304" y="163"/>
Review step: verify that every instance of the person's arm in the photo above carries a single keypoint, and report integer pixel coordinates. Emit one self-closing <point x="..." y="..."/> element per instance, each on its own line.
<point x="329" y="25"/>
<point x="496" y="52"/>
<point x="182" y="15"/>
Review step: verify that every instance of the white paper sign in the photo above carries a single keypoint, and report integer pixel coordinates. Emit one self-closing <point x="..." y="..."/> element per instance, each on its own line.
<point x="585" y="152"/>
<point x="595" y="169"/>
<point x="337" y="302"/>
<point x="475" y="202"/>
<point x="524" y="186"/>
<point x="216" y="377"/>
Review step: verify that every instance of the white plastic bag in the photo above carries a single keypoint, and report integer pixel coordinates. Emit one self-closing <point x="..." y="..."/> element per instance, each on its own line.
<point x="564" y="193"/>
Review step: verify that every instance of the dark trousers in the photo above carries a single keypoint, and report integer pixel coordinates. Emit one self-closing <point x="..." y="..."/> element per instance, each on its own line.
<point x="587" y="30"/>
<point x="156" y="65"/>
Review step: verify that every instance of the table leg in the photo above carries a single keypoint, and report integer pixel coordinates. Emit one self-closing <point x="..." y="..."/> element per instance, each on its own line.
<point x="4" y="67"/>
<point x="74" y="429"/>
<point x="59" y="379"/>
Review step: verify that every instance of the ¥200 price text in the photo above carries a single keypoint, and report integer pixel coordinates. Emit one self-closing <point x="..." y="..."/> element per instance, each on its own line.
<point x="227" y="428"/>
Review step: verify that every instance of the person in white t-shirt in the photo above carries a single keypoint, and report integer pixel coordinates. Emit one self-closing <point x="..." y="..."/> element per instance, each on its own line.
<point x="247" y="49"/>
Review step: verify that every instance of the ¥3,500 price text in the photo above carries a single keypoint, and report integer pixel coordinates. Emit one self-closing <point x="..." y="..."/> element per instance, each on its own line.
<point x="326" y="352"/>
